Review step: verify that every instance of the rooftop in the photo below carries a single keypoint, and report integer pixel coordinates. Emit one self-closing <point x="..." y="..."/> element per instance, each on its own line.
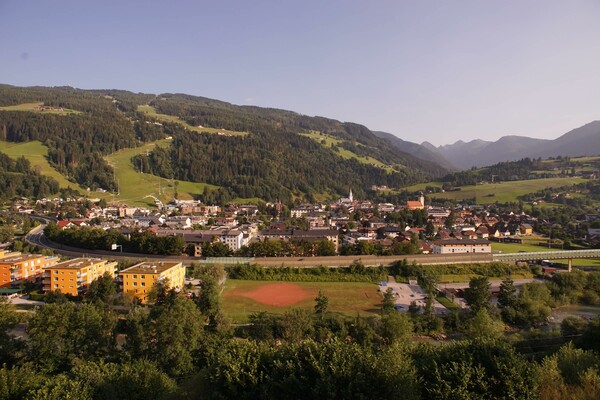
<point x="150" y="267"/>
<point x="20" y="258"/>
<point x="78" y="263"/>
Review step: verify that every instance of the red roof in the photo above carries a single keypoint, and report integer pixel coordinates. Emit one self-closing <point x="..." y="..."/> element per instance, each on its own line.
<point x="63" y="224"/>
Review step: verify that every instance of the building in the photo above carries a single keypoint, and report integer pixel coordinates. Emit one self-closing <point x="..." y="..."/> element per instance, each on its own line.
<point x="139" y="279"/>
<point x="15" y="268"/>
<point x="232" y="238"/>
<point x="74" y="276"/>
<point x="457" y="246"/>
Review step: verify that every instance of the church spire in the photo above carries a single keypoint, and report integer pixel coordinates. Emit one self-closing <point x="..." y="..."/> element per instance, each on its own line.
<point x="350" y="197"/>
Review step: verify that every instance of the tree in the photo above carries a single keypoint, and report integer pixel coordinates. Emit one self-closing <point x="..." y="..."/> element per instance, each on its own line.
<point x="482" y="325"/>
<point x="168" y="335"/>
<point x="388" y="304"/>
<point x="102" y="290"/>
<point x="295" y="324"/>
<point x="508" y="294"/>
<point x="395" y="327"/>
<point x="321" y="303"/>
<point x="478" y="294"/>
<point x="8" y="320"/>
<point x="59" y="332"/>
<point x="208" y="301"/>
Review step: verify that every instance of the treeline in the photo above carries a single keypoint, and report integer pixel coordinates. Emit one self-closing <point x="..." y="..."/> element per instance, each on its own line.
<point x="143" y="242"/>
<point x="357" y="272"/>
<point x="504" y="171"/>
<point x="18" y="179"/>
<point x="496" y="269"/>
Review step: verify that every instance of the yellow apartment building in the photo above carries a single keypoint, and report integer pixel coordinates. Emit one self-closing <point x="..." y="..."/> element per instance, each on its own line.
<point x="139" y="279"/>
<point x="15" y="268"/>
<point x="74" y="276"/>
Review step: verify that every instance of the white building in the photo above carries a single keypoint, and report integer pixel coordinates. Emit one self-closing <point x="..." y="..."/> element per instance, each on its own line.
<point x="458" y="246"/>
<point x="233" y="238"/>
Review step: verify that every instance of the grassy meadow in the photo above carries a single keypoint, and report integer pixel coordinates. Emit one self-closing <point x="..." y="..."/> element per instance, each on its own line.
<point x="329" y="141"/>
<point x="134" y="186"/>
<point x="151" y="112"/>
<point x="32" y="107"/>
<point x="501" y="192"/>
<point x="36" y="153"/>
<point x="346" y="298"/>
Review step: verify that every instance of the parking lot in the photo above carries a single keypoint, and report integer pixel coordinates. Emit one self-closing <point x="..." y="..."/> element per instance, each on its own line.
<point x="406" y="293"/>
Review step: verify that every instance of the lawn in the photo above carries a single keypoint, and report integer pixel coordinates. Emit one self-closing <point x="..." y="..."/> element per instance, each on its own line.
<point x="151" y="112"/>
<point x="347" y="298"/>
<point x="31" y="107"/>
<point x="135" y="187"/>
<point x="36" y="153"/>
<point x="446" y="302"/>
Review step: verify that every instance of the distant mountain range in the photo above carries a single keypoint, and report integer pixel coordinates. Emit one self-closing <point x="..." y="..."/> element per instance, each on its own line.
<point x="583" y="141"/>
<point x="422" y="151"/>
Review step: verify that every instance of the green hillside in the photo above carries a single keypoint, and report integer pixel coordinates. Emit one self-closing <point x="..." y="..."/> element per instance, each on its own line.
<point x="36" y="153"/>
<point x="249" y="153"/>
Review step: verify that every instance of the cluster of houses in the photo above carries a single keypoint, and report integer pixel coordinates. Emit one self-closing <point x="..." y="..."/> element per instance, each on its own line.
<point x="345" y="222"/>
<point x="74" y="276"/>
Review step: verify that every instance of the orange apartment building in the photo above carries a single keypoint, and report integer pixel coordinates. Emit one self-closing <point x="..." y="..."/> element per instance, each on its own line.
<point x="15" y="268"/>
<point x="74" y="276"/>
<point x="139" y="279"/>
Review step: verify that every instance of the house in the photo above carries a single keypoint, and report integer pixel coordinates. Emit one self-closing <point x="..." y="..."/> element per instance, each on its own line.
<point x="64" y="224"/>
<point x="139" y="279"/>
<point x="456" y="246"/>
<point x="15" y="268"/>
<point x="74" y="276"/>
<point x="526" y="229"/>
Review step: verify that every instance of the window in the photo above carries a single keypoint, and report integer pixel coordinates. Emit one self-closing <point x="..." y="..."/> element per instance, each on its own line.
<point x="143" y="283"/>
<point x="135" y="277"/>
<point x="134" y="283"/>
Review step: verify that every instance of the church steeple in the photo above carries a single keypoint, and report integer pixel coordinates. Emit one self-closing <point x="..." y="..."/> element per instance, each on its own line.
<point x="350" y="197"/>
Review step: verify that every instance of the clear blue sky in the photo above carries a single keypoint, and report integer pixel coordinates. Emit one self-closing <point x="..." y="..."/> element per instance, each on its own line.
<point x="423" y="70"/>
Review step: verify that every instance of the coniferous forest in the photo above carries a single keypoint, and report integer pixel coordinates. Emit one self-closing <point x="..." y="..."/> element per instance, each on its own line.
<point x="273" y="160"/>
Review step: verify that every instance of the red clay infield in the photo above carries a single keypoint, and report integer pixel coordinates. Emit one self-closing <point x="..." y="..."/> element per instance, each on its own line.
<point x="275" y="294"/>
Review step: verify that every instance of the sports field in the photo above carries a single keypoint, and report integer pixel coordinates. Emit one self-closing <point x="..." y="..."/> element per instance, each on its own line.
<point x="241" y="298"/>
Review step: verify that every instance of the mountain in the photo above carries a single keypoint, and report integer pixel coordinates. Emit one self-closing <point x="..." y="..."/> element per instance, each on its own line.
<point x="246" y="151"/>
<point x="582" y="141"/>
<point x="418" y="150"/>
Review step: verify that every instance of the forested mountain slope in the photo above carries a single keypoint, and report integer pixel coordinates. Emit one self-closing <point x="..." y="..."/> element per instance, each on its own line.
<point x="274" y="159"/>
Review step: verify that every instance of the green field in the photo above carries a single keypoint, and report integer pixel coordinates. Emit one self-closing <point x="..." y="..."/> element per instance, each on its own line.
<point x="501" y="192"/>
<point x="36" y="153"/>
<point x="346" y="298"/>
<point x="31" y="107"/>
<point x="134" y="186"/>
<point x="151" y="112"/>
<point x="329" y="141"/>
<point x="531" y="248"/>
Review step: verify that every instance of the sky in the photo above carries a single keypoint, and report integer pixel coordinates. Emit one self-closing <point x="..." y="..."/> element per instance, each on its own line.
<point x="437" y="71"/>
